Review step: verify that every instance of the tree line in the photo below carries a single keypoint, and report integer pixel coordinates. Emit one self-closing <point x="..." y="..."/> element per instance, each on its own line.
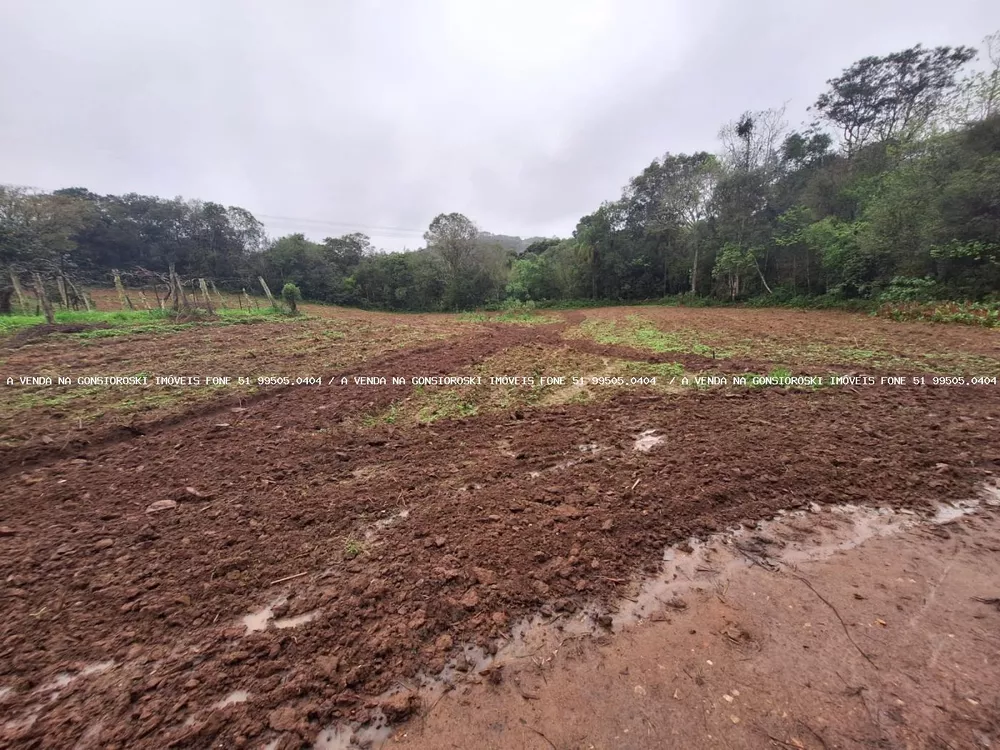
<point x="892" y="191"/>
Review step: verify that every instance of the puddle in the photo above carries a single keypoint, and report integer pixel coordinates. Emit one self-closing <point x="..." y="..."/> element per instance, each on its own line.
<point x="63" y="679"/>
<point x="54" y="687"/>
<point x="588" y="448"/>
<point x="647" y="440"/>
<point x="946" y="513"/>
<point x="374" y="734"/>
<point x="294" y="622"/>
<point x="385" y="523"/>
<point x="237" y="696"/>
<point x="789" y="539"/>
<point x="258" y="621"/>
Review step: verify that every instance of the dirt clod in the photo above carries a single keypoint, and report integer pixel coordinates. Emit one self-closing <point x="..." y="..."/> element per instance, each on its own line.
<point x="161" y="505"/>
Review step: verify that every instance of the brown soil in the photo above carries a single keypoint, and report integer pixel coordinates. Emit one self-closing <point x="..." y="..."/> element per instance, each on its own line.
<point x="892" y="644"/>
<point x="504" y="514"/>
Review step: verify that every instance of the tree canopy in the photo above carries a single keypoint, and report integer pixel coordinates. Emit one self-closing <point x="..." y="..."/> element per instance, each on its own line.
<point x="894" y="186"/>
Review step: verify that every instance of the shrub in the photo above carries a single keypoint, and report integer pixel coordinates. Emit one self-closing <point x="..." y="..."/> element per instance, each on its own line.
<point x="291" y="295"/>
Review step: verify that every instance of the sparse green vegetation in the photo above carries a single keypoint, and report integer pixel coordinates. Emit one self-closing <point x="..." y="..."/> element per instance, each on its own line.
<point x="353" y="548"/>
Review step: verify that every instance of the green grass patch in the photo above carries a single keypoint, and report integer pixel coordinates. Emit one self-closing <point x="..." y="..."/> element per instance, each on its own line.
<point x="446" y="404"/>
<point x="639" y="333"/>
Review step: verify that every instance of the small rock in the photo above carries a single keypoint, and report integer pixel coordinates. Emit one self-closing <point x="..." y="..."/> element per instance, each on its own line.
<point x="485" y="576"/>
<point x="470" y="600"/>
<point x="328" y="665"/>
<point x="161" y="505"/>
<point x="283" y="719"/>
<point x="606" y="526"/>
<point x="444" y="642"/>
<point x="194" y="494"/>
<point x="104" y="544"/>
<point x="399" y="706"/>
<point x="439" y="541"/>
<point x="567" y="511"/>
<point x="418" y="620"/>
<point x="191" y="684"/>
<point x="7" y="531"/>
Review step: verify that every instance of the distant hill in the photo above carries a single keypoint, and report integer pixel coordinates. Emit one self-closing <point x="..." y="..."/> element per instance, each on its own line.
<point x="510" y="242"/>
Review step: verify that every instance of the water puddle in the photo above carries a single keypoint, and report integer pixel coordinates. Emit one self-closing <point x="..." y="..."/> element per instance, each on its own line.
<point x="237" y="696"/>
<point x="258" y="621"/>
<point x="374" y="734"/>
<point x="789" y="539"/>
<point x="294" y="622"/>
<point x="646" y="441"/>
<point x="946" y="513"/>
<point x="54" y="688"/>
<point x="588" y="448"/>
<point x="384" y="523"/>
<point x="63" y="679"/>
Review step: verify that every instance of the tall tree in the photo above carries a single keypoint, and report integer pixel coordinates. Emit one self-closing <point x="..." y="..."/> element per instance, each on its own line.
<point x="892" y="97"/>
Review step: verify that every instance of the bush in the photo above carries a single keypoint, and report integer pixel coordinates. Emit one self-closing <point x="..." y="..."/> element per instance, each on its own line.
<point x="291" y="295"/>
<point x="909" y="289"/>
<point x="966" y="313"/>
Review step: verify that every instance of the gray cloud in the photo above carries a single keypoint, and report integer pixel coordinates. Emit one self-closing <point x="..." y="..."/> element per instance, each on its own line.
<point x="524" y="115"/>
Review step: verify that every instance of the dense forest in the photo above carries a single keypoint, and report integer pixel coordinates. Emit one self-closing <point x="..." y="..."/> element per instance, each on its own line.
<point x="892" y="192"/>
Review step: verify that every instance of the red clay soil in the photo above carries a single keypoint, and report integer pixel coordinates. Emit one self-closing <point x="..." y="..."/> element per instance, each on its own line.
<point x="92" y="576"/>
<point x="504" y="514"/>
<point x="50" y="436"/>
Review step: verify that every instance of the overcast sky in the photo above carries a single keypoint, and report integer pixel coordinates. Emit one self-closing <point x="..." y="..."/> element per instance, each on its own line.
<point x="375" y="115"/>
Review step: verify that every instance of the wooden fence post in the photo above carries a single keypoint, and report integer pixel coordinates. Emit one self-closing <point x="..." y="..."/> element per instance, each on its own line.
<point x="267" y="291"/>
<point x="61" y="283"/>
<point x="19" y="291"/>
<point x="204" y="291"/>
<point x="83" y="296"/>
<point x="222" y="302"/>
<point x="43" y="298"/>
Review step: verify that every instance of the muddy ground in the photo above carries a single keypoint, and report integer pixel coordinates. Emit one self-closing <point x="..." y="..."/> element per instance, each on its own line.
<point x="133" y="552"/>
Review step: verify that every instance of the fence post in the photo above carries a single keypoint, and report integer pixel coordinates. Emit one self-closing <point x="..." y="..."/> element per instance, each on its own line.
<point x="267" y="291"/>
<point x="43" y="298"/>
<point x="222" y="302"/>
<point x="204" y="291"/>
<point x="20" y="292"/>
<point x="61" y="283"/>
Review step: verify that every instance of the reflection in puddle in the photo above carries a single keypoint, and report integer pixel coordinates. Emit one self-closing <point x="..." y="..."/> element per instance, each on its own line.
<point x="294" y="622"/>
<point x="647" y="440"/>
<point x="63" y="679"/>
<point x="791" y="538"/>
<point x="947" y="513"/>
<point x="54" y="688"/>
<point x="258" y="621"/>
<point x="343" y="738"/>
<point x="237" y="696"/>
